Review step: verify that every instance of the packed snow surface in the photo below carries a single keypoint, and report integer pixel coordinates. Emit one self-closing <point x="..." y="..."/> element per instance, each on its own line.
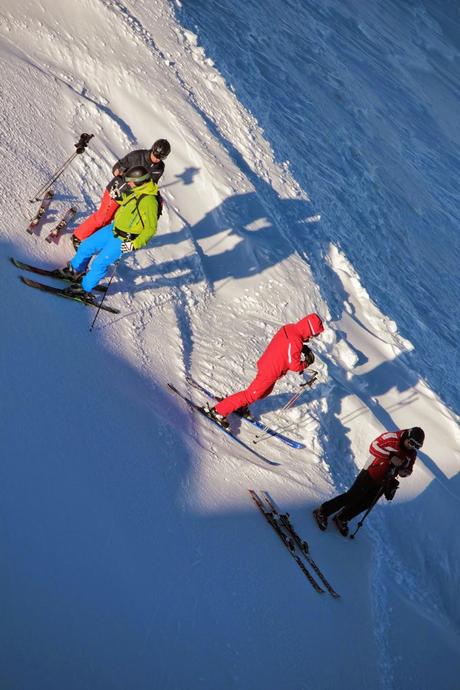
<point x="315" y="167"/>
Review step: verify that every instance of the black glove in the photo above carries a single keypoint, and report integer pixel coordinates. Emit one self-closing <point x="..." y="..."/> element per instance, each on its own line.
<point x="396" y="460"/>
<point x="307" y="355"/>
<point x="389" y="488"/>
<point x="83" y="142"/>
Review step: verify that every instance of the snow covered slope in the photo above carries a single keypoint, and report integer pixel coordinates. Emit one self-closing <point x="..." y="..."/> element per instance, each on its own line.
<point x="132" y="555"/>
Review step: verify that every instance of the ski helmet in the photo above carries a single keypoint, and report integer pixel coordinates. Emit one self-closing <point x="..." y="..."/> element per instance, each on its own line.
<point x="416" y="437"/>
<point x="138" y="174"/>
<point x="161" y="149"/>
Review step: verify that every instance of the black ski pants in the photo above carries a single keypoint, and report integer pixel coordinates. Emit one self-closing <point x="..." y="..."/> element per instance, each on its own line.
<point x="359" y="497"/>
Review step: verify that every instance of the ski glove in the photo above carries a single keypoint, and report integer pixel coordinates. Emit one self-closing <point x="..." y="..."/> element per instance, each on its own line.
<point x="403" y="465"/>
<point x="396" y="460"/>
<point x="307" y="355"/>
<point x="404" y="472"/>
<point x="115" y="191"/>
<point x="127" y="247"/>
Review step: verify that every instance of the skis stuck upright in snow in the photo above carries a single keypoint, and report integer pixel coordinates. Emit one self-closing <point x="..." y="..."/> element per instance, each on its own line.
<point x="296" y="546"/>
<point x="57" y="231"/>
<point x="229" y="433"/>
<point x="255" y="422"/>
<point x="42" y="210"/>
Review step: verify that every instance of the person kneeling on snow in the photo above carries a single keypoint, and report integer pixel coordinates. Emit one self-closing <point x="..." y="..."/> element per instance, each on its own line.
<point x="392" y="454"/>
<point x="134" y="224"/>
<point x="287" y="351"/>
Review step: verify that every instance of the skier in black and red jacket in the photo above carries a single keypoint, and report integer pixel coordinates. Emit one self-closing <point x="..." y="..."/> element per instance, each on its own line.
<point x="151" y="159"/>
<point x="393" y="454"/>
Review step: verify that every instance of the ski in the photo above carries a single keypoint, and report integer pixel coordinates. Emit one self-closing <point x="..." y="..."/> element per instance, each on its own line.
<point x="46" y="272"/>
<point x="255" y="422"/>
<point x="61" y="293"/>
<point x="287" y="540"/>
<point x="43" y="208"/>
<point x="285" y="521"/>
<point x="199" y="409"/>
<point x="61" y="226"/>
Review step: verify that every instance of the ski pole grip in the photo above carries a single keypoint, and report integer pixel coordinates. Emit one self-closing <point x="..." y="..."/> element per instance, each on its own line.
<point x="311" y="380"/>
<point x="83" y="142"/>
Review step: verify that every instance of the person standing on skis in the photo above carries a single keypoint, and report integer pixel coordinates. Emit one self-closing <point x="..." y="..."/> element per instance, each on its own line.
<point x="151" y="159"/>
<point x="287" y="351"/>
<point x="393" y="454"/>
<point x="134" y="224"/>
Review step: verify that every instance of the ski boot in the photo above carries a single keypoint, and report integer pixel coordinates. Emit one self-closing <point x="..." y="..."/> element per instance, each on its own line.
<point x="245" y="412"/>
<point x="320" y="518"/>
<point x="341" y="525"/>
<point x="69" y="273"/>
<point x="76" y="290"/>
<point x="218" y="418"/>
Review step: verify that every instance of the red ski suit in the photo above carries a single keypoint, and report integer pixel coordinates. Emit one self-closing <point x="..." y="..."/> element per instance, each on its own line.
<point x="282" y="355"/>
<point x="382" y="448"/>
<point x="99" y="219"/>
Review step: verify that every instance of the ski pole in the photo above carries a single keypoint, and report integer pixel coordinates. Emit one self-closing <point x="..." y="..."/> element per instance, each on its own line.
<point x="360" y="523"/>
<point x="263" y="434"/>
<point x="115" y="266"/>
<point x="81" y="145"/>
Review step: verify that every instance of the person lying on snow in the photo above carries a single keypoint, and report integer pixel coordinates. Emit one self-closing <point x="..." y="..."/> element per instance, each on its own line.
<point x="392" y="455"/>
<point x="151" y="159"/>
<point x="134" y="224"/>
<point x="287" y="351"/>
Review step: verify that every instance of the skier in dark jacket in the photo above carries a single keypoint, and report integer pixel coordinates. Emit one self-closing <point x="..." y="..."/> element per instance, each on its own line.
<point x="151" y="159"/>
<point x="393" y="454"/>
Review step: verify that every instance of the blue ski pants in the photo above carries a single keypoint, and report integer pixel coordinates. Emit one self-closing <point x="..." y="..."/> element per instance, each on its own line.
<point x="108" y="250"/>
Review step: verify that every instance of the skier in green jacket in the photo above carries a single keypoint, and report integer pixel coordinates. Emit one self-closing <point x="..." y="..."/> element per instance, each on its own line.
<point x="134" y="224"/>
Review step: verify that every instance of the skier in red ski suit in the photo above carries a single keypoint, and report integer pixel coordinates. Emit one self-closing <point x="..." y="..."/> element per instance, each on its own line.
<point x="392" y="454"/>
<point x="283" y="354"/>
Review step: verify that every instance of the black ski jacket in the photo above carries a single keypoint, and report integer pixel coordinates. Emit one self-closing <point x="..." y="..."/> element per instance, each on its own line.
<point x="132" y="159"/>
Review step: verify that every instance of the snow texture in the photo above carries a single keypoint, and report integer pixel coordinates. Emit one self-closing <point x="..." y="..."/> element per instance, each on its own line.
<point x="315" y="167"/>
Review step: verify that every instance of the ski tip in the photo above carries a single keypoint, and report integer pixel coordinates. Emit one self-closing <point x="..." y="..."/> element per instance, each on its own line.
<point x="28" y="281"/>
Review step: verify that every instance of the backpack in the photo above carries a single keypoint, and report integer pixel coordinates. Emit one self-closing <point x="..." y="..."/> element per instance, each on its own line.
<point x="160" y="203"/>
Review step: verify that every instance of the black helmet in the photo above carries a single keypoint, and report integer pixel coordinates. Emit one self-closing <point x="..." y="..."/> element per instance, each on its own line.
<point x="161" y="149"/>
<point x="416" y="437"/>
<point x="138" y="174"/>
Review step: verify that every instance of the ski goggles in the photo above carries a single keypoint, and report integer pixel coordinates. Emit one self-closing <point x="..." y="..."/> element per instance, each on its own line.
<point x="413" y="444"/>
<point x="142" y="178"/>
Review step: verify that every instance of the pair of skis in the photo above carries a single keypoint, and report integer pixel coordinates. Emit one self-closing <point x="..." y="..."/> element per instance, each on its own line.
<point x="297" y="547"/>
<point x="255" y="422"/>
<point x="39" y="217"/>
<point x="280" y="522"/>
<point x="197" y="408"/>
<point x="58" y="291"/>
